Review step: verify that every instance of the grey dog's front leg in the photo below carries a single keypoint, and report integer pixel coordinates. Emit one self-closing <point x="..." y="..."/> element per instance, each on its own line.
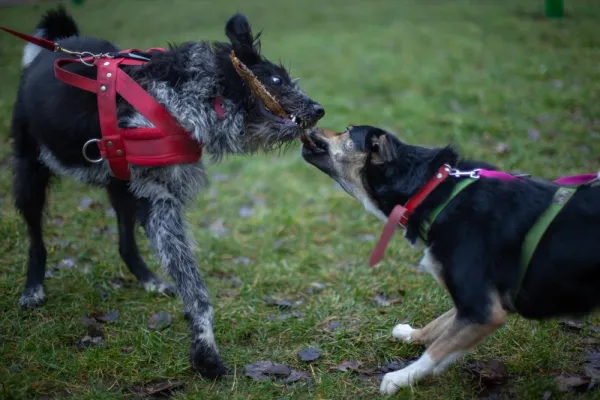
<point x="166" y="230"/>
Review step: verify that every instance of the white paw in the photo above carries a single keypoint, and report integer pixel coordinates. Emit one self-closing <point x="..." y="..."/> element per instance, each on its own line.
<point x="403" y="332"/>
<point x="393" y="381"/>
<point x="32" y="297"/>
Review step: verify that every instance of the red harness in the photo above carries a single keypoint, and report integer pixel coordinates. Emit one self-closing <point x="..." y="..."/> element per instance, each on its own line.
<point x="167" y="143"/>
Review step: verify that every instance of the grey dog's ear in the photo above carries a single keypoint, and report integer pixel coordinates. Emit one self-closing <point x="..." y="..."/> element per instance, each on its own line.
<point x="245" y="44"/>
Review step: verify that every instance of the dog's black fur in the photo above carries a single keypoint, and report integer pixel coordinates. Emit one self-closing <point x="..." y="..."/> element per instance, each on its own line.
<point x="477" y="238"/>
<point x="52" y="121"/>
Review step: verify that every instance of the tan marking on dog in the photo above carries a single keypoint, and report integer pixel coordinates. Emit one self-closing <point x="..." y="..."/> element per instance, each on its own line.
<point x="463" y="335"/>
<point x="432" y="331"/>
<point x="455" y="338"/>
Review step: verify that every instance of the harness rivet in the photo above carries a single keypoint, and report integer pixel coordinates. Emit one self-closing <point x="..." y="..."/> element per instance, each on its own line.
<point x="103" y="88"/>
<point x="106" y="63"/>
<point x="119" y="152"/>
<point x="109" y="144"/>
<point x="439" y="176"/>
<point x="108" y="75"/>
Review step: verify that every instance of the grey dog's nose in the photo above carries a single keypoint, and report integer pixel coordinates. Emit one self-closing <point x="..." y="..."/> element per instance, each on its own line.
<point x="319" y="110"/>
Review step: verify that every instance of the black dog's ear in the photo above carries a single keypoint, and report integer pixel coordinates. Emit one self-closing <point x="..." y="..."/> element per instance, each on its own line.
<point x="245" y="44"/>
<point x="384" y="145"/>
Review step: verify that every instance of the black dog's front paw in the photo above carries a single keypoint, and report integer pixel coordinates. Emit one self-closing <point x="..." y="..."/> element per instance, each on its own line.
<point x="206" y="361"/>
<point x="32" y="297"/>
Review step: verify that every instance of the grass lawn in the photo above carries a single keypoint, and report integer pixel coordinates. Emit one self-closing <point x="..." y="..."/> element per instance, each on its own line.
<point x="493" y="77"/>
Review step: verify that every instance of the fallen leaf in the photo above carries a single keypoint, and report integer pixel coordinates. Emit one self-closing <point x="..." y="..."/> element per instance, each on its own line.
<point x="316" y="287"/>
<point x="347" y="365"/>
<point x="94" y="329"/>
<point x="533" y="134"/>
<point x="594" y="328"/>
<point x="369" y="237"/>
<point x="88" y="341"/>
<point x="295" y="376"/>
<point x="455" y="107"/>
<point x="385" y="301"/>
<point x="160" y="321"/>
<point x="392" y="366"/>
<point x="260" y="370"/>
<point x="279" y="243"/>
<point x="220" y="177"/>
<point x="161" y="387"/>
<point x="309" y="354"/>
<point x="333" y="326"/>
<point x="111" y="316"/>
<point x="279" y="302"/>
<point x="127" y="349"/>
<point x="488" y="371"/>
<point x="577" y="383"/>
<point x="242" y="260"/>
<point x="284" y="316"/>
<point x="116" y="283"/>
<point x="66" y="263"/>
<point x="85" y="203"/>
<point x="589" y="341"/>
<point x="259" y="201"/>
<point x="246" y="211"/>
<point x="84" y="343"/>
<point x="502" y="148"/>
<point x="217" y="228"/>
<point x="572" y="325"/>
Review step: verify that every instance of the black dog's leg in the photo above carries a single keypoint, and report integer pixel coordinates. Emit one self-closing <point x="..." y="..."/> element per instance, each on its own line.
<point x="165" y="228"/>
<point x="30" y="182"/>
<point x="125" y="205"/>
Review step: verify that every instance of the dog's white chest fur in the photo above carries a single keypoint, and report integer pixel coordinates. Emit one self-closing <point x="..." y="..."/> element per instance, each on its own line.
<point x="430" y="264"/>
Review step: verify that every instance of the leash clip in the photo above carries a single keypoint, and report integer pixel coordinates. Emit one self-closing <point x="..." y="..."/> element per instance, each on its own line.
<point x="471" y="174"/>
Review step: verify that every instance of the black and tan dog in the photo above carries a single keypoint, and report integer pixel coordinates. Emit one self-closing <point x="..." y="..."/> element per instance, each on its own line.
<point x="473" y="248"/>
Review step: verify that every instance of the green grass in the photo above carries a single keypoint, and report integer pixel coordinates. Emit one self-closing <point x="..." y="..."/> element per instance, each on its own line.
<point x="469" y="72"/>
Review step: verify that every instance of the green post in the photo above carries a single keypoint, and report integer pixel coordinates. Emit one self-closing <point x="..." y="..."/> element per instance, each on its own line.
<point x="555" y="8"/>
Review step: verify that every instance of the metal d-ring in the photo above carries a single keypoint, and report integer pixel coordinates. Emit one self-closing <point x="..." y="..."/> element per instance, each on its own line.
<point x="84" y="149"/>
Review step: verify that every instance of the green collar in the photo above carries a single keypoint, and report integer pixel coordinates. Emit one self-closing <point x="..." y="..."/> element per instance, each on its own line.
<point x="533" y="236"/>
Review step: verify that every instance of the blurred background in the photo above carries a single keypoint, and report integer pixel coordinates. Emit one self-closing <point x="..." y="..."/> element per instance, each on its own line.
<point x="515" y="83"/>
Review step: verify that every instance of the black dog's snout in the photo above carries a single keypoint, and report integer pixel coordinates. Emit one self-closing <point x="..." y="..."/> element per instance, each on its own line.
<point x="319" y="110"/>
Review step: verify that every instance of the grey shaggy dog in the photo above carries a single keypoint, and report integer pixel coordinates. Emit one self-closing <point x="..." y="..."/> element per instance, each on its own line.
<point x="52" y="121"/>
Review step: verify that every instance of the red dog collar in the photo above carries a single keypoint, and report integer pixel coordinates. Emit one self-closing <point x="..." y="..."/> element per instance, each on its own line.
<point x="400" y="214"/>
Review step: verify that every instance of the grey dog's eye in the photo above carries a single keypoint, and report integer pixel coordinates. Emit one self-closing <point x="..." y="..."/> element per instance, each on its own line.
<point x="276" y="80"/>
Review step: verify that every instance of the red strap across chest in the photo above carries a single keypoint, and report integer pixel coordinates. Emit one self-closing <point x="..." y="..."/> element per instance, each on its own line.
<point x="166" y="143"/>
<point x="400" y="214"/>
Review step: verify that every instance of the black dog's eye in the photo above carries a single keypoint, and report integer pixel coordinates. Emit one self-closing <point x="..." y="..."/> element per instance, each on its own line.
<point x="276" y="80"/>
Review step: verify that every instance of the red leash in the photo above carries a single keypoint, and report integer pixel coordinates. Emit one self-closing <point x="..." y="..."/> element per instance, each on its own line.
<point x="167" y="143"/>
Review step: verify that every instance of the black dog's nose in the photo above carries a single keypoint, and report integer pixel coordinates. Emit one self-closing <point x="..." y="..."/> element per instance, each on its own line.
<point x="319" y="110"/>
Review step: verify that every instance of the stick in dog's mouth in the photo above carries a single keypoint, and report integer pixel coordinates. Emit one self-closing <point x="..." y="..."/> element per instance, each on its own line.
<point x="263" y="94"/>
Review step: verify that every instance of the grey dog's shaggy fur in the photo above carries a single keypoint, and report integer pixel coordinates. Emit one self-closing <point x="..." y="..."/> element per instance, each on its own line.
<point x="52" y="121"/>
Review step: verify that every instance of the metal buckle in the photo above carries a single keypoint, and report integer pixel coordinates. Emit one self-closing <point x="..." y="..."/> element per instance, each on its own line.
<point x="471" y="174"/>
<point x="84" y="149"/>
